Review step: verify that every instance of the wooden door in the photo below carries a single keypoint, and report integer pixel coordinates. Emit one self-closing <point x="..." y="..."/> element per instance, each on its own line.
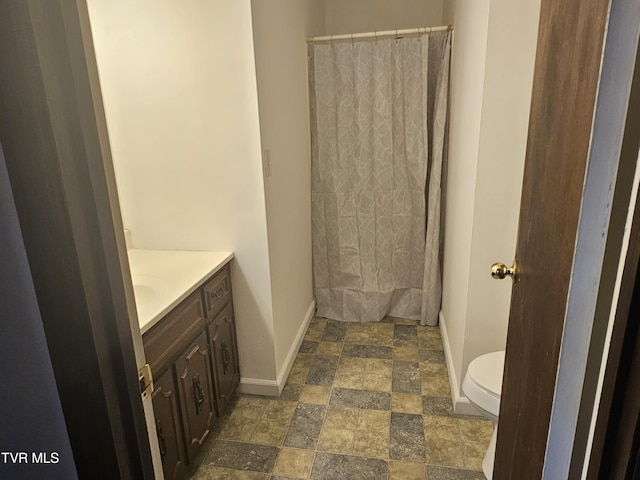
<point x="566" y="80"/>
<point x="54" y="139"/>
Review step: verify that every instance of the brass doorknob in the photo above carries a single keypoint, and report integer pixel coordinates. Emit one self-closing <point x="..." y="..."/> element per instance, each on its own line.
<point x="500" y="270"/>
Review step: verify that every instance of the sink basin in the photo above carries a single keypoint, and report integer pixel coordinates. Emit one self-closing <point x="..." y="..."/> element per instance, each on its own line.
<point x="143" y="293"/>
<point x="147" y="290"/>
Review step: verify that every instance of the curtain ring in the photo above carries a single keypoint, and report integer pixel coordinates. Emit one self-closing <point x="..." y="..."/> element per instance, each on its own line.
<point x="352" y="39"/>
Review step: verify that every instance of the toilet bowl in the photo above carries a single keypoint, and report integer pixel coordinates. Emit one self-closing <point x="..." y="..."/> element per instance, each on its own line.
<point x="483" y="385"/>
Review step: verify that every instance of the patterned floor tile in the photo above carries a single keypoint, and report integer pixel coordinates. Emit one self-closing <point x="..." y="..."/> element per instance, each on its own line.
<point x="362" y="401"/>
<point x="407" y="440"/>
<point x="431" y="356"/>
<point x="443" y="473"/>
<point x="334" y="331"/>
<point x="257" y="420"/>
<point x="476" y="431"/>
<point x="406" y="403"/>
<point x="350" y="372"/>
<point x="338" y="431"/>
<point x="435" y="380"/>
<point x="294" y="463"/>
<point x="352" y="431"/>
<point x="209" y="472"/>
<point x="329" y="466"/>
<point x="364" y="373"/>
<point x="316" y="394"/>
<point x="290" y="393"/>
<point x="365" y="399"/>
<point x="473" y="454"/>
<point x="378" y="375"/>
<point x="372" y="434"/>
<point x="406" y="471"/>
<point x="429" y="338"/>
<point x="437" y="406"/>
<point x="444" y="444"/>
<point x="305" y="426"/>
<point x="316" y="329"/>
<point x="406" y="377"/>
<point x="308" y="346"/>
<point x="406" y="354"/>
<point x="402" y="321"/>
<point x="330" y="348"/>
<point x="380" y="334"/>
<point x="322" y="370"/>
<point x="475" y="435"/>
<point x="242" y="456"/>
<point x="367" y="351"/>
<point x="405" y="336"/>
<point x="300" y="369"/>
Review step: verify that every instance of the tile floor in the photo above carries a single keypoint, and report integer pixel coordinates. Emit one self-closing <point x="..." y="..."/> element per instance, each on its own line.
<point x="363" y="401"/>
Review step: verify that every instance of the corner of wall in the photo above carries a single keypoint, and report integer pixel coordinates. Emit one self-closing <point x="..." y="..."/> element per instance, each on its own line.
<point x="285" y="368"/>
<point x="461" y="404"/>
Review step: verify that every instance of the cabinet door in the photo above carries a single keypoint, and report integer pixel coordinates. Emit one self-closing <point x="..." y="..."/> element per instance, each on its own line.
<point x="193" y="373"/>
<point x="226" y="372"/>
<point x="167" y="414"/>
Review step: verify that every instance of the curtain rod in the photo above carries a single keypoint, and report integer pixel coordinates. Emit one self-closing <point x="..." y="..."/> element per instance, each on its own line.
<point x="386" y="33"/>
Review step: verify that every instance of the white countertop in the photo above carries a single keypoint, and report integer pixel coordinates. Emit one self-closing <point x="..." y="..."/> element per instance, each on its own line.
<point x="163" y="278"/>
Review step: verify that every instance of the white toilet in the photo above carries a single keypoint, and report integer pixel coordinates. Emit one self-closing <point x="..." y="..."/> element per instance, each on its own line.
<point x="483" y="385"/>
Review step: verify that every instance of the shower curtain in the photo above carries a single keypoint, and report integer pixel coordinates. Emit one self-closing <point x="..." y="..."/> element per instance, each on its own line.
<point x="378" y="110"/>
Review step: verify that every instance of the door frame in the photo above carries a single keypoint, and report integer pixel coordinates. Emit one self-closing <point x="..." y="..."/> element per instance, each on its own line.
<point x="577" y="118"/>
<point x="616" y="433"/>
<point x="53" y="133"/>
<point x="612" y="447"/>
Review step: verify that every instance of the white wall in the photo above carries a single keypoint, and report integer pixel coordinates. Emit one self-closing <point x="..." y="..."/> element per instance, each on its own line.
<point x="467" y="84"/>
<point x="489" y="121"/>
<point x="353" y="16"/>
<point x="511" y="47"/>
<point x="280" y="29"/>
<point x="179" y="87"/>
<point x="448" y="11"/>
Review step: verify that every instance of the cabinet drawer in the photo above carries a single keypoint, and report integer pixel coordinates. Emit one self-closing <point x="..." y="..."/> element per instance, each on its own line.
<point x="174" y="332"/>
<point x="217" y="292"/>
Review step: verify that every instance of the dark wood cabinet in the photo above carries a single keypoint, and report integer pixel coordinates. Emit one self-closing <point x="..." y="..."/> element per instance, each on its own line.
<point x="170" y="336"/>
<point x="193" y="373"/>
<point x="193" y="356"/>
<point x="217" y="293"/>
<point x="168" y="426"/>
<point x="226" y="372"/>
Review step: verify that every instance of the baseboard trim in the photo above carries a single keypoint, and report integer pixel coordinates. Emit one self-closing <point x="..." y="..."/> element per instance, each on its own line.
<point x="461" y="404"/>
<point x="258" y="386"/>
<point x="295" y="346"/>
<point x="273" y="388"/>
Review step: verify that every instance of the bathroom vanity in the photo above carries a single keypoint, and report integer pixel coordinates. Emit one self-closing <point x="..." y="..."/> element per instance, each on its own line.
<point x="185" y="310"/>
